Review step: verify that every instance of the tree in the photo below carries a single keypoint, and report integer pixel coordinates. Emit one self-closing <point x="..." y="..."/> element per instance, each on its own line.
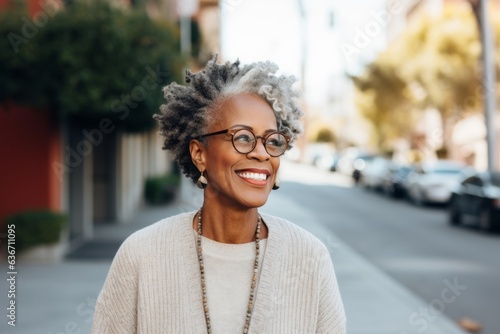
<point x="446" y="66"/>
<point x="325" y="135"/>
<point x="89" y="61"/>
<point x="384" y="98"/>
<point x="434" y="63"/>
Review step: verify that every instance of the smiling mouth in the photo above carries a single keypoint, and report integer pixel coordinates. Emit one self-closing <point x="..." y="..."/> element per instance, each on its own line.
<point x="253" y="176"/>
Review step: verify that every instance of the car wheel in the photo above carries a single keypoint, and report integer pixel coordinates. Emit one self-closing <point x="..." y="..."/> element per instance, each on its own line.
<point x="411" y="194"/>
<point x="486" y="221"/>
<point x="454" y="215"/>
<point x="417" y="198"/>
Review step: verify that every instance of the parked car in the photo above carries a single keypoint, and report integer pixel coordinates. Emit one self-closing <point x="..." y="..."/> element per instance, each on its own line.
<point x="395" y="179"/>
<point x="314" y="152"/>
<point x="328" y="161"/>
<point x="375" y="172"/>
<point x="359" y="165"/>
<point x="432" y="182"/>
<point x="347" y="157"/>
<point x="477" y="196"/>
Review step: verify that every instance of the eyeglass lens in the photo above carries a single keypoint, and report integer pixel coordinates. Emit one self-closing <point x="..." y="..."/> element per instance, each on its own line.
<point x="244" y="141"/>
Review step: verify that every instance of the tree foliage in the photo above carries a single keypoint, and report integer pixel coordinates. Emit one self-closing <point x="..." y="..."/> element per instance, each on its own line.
<point x="89" y="61"/>
<point x="434" y="63"/>
<point x="325" y="135"/>
<point x="384" y="98"/>
<point x="446" y="65"/>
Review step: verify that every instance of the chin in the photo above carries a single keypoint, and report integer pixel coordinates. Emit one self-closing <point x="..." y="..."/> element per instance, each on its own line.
<point x="255" y="202"/>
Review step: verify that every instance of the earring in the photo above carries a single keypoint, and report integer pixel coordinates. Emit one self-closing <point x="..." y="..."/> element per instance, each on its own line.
<point x="202" y="182"/>
<point x="277" y="183"/>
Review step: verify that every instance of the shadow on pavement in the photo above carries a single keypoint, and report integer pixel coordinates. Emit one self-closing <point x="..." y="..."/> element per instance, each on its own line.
<point x="95" y="250"/>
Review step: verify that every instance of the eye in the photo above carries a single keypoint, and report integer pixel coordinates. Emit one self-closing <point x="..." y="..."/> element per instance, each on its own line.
<point x="243" y="136"/>
<point x="276" y="140"/>
<point x="273" y="142"/>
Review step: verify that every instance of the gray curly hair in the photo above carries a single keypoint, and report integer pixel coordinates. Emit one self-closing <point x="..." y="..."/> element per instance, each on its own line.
<point x="189" y="110"/>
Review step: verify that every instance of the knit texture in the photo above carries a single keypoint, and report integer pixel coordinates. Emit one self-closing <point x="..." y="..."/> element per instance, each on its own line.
<point x="153" y="285"/>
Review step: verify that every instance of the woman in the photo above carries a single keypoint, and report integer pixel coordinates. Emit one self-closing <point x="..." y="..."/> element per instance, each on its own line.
<point x="224" y="268"/>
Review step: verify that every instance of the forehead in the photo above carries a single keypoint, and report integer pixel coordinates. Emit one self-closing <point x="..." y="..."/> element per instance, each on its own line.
<point x="246" y="109"/>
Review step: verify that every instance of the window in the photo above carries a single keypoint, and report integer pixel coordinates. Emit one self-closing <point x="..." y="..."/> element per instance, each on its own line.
<point x="473" y="180"/>
<point x="495" y="179"/>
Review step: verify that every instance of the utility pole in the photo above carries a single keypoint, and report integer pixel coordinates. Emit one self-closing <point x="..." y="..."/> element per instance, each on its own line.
<point x="185" y="35"/>
<point x="301" y="144"/>
<point x="185" y="10"/>
<point x="303" y="44"/>
<point x="489" y="83"/>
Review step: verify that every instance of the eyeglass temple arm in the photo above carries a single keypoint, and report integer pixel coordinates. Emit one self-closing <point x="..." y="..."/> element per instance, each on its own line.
<point x="214" y="133"/>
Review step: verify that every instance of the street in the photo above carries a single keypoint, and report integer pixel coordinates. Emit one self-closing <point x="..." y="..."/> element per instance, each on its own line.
<point x="414" y="245"/>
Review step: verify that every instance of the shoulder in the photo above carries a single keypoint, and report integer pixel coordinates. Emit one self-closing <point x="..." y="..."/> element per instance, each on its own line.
<point x="161" y="232"/>
<point x="293" y="236"/>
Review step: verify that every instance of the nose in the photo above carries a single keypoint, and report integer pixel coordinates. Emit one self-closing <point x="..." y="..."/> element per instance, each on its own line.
<point x="259" y="152"/>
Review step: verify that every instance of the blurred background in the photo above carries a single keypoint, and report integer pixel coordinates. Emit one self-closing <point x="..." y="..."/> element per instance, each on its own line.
<point x="399" y="162"/>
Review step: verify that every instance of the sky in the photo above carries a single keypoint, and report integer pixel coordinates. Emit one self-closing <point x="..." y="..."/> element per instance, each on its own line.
<point x="339" y="38"/>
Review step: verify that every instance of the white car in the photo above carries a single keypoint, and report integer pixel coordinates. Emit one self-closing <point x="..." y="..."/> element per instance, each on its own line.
<point x="433" y="182"/>
<point x="375" y="172"/>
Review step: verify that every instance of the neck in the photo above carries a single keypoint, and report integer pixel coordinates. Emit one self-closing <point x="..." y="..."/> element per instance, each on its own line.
<point x="229" y="225"/>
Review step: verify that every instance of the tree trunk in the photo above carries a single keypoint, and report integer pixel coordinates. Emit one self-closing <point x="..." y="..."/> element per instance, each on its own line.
<point x="450" y="149"/>
<point x="475" y="6"/>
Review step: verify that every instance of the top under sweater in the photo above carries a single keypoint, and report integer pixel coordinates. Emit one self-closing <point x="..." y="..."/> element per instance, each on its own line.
<point x="228" y="275"/>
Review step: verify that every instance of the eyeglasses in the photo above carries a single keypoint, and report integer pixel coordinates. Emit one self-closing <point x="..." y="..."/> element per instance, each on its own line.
<point x="244" y="141"/>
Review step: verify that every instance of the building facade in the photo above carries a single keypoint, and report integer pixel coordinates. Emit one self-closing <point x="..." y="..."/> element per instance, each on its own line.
<point x="94" y="175"/>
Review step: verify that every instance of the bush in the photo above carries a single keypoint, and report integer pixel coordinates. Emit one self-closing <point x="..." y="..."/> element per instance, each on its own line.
<point x="34" y="228"/>
<point x="161" y="189"/>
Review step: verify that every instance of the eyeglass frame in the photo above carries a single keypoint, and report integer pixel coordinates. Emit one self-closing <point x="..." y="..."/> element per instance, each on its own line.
<point x="262" y="138"/>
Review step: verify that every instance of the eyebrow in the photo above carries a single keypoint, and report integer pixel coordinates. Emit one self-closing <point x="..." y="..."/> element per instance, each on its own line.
<point x="250" y="128"/>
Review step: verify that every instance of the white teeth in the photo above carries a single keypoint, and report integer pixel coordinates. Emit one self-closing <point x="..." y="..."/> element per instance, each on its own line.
<point x="253" y="176"/>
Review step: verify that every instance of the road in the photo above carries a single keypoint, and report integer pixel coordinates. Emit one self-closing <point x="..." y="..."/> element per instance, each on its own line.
<point x="414" y="245"/>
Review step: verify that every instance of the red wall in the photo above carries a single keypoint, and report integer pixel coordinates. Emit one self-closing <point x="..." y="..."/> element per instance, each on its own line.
<point x="34" y="6"/>
<point x="30" y="142"/>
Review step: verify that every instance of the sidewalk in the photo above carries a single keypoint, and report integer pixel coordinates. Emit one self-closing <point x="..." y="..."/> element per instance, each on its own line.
<point x="55" y="299"/>
<point x="374" y="302"/>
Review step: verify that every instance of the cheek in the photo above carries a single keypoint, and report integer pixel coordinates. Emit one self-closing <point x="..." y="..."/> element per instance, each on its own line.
<point x="276" y="164"/>
<point x="222" y="161"/>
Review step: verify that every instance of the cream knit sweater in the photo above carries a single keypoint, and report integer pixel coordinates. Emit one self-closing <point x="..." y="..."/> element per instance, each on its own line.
<point x="153" y="285"/>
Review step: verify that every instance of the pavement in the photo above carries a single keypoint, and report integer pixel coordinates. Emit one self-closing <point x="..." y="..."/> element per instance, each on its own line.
<point x="60" y="298"/>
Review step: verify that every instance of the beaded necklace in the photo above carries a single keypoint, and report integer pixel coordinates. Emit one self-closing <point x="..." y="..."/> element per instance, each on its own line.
<point x="254" y="277"/>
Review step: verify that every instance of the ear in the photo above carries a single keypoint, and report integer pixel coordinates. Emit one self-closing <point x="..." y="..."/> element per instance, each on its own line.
<point x="198" y="154"/>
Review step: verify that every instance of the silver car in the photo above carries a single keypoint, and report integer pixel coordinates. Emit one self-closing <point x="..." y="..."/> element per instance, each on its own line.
<point x="433" y="182"/>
